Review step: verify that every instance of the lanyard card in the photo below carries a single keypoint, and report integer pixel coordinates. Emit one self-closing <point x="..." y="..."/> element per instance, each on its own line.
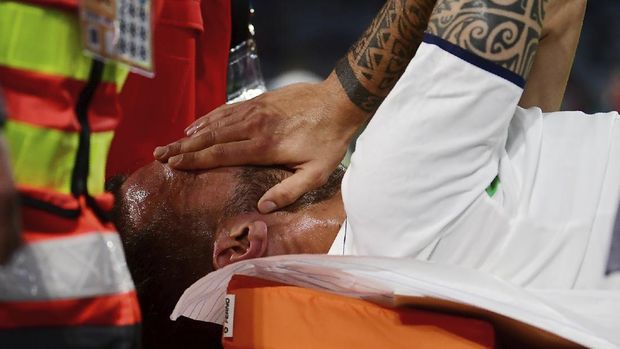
<point x="119" y="30"/>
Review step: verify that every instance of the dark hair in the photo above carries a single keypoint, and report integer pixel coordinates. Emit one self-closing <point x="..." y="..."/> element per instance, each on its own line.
<point x="172" y="250"/>
<point x="161" y="255"/>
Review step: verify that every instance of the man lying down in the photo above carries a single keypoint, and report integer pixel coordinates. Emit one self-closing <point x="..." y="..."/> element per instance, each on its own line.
<point x="449" y="170"/>
<point x="177" y="226"/>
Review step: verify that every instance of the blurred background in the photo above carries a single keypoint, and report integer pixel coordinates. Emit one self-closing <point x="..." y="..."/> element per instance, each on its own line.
<point x="302" y="40"/>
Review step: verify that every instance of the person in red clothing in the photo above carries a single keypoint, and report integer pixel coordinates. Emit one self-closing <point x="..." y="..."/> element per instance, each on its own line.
<point x="192" y="40"/>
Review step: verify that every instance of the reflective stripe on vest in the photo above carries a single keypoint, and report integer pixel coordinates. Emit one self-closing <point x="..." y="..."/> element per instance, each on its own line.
<point x="75" y="267"/>
<point x="47" y="41"/>
<point x="119" y="309"/>
<point x="44" y="158"/>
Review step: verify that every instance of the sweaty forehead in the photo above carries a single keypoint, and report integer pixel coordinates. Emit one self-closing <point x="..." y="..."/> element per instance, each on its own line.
<point x="157" y="187"/>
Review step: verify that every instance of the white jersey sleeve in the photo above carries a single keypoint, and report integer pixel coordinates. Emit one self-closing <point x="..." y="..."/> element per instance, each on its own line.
<point x="429" y="153"/>
<point x="418" y="183"/>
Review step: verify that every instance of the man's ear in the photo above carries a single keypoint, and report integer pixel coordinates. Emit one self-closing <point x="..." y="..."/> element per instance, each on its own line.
<point x="246" y="239"/>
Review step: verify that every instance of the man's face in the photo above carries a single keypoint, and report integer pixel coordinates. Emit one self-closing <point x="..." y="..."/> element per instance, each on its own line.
<point x="211" y="216"/>
<point x="155" y="192"/>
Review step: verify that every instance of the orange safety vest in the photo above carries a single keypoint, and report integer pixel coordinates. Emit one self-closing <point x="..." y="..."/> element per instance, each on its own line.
<point x="68" y="286"/>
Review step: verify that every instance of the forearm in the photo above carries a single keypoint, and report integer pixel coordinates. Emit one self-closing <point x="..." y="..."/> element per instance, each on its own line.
<point x="376" y="61"/>
<point x="551" y="69"/>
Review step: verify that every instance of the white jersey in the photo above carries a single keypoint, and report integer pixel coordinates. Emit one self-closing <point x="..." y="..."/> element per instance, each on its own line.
<point x="451" y="170"/>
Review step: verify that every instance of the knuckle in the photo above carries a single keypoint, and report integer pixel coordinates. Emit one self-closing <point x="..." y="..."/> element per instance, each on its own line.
<point x="254" y="124"/>
<point x="174" y="147"/>
<point x="218" y="151"/>
<point x="285" y="196"/>
<point x="189" y="157"/>
<point x="180" y="159"/>
<point x="185" y="159"/>
<point x="208" y="137"/>
<point x="218" y="124"/>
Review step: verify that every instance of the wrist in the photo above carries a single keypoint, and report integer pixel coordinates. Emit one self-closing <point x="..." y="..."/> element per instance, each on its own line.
<point x="348" y="115"/>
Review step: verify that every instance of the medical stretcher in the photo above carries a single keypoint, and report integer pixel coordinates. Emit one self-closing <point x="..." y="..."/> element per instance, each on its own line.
<point x="267" y="314"/>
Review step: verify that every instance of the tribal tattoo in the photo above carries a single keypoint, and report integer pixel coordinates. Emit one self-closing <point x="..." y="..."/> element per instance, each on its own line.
<point x="505" y="32"/>
<point x="378" y="59"/>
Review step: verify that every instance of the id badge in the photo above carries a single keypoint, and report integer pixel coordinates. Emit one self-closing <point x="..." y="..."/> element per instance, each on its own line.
<point x="119" y="30"/>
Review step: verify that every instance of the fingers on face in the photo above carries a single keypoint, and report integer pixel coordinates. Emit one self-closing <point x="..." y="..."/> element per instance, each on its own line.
<point x="199" y="123"/>
<point x="219" y="155"/>
<point x="217" y="127"/>
<point x="206" y="139"/>
<point x="234" y="129"/>
<point x="291" y="189"/>
<point x="214" y="125"/>
<point x="221" y="113"/>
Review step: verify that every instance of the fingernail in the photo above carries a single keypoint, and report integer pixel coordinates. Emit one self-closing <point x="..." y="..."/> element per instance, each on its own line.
<point x="267" y="206"/>
<point x="159" y="152"/>
<point x="189" y="130"/>
<point x="194" y="128"/>
<point x="175" y="160"/>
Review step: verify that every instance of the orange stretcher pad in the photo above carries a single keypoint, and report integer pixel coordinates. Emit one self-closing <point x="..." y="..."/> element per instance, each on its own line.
<point x="272" y="315"/>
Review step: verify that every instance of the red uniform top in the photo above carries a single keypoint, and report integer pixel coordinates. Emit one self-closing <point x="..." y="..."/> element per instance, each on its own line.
<point x="192" y="41"/>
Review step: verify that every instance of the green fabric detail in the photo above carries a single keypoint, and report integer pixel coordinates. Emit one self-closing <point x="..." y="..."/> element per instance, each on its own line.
<point x="492" y="188"/>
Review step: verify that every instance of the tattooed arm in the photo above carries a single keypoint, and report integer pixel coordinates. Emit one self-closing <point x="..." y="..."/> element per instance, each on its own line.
<point x="548" y="69"/>
<point x="374" y="64"/>
<point x="308" y="127"/>
<point x="505" y="32"/>
<point x="378" y="59"/>
<point x="551" y="69"/>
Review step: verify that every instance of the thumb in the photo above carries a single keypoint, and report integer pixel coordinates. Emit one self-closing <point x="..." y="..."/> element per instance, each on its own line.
<point x="290" y="189"/>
